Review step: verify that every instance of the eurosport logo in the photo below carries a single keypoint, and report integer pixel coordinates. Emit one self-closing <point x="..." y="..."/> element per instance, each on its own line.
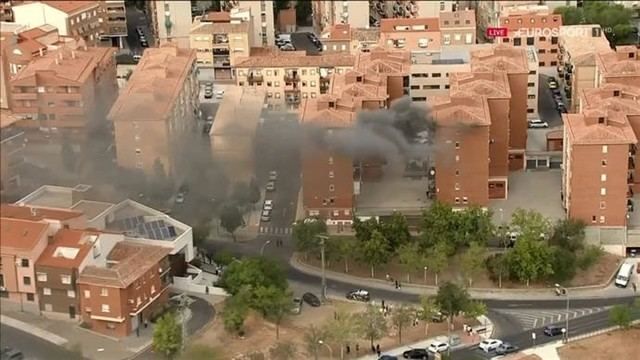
<point x="569" y="31"/>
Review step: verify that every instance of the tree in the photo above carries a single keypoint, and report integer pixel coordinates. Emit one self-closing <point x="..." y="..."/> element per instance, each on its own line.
<point x="274" y="303"/>
<point x="343" y="330"/>
<point x="452" y="300"/>
<point x="498" y="267"/>
<point x="563" y="264"/>
<point x="200" y="352"/>
<point x="283" y="351"/>
<point x="589" y="256"/>
<point x="620" y="315"/>
<point x="251" y="274"/>
<point x="254" y="191"/>
<point x="345" y="249"/>
<point x="571" y="15"/>
<point x="235" y="312"/>
<point x="530" y="224"/>
<point x="410" y="257"/>
<point x="428" y="308"/>
<point x="614" y="19"/>
<point x="568" y="234"/>
<point x="473" y="260"/>
<point x="437" y="225"/>
<point x="402" y="316"/>
<point x="303" y="12"/>
<point x="167" y="336"/>
<point x="69" y="158"/>
<point x="313" y="338"/>
<point x="364" y="229"/>
<point x="305" y="234"/>
<point x="375" y="251"/>
<point x="436" y="259"/>
<point x="201" y="233"/>
<point x="372" y="323"/>
<point x="280" y="5"/>
<point x="475" y="308"/>
<point x="396" y="230"/>
<point x="231" y="219"/>
<point x="530" y="260"/>
<point x="474" y="224"/>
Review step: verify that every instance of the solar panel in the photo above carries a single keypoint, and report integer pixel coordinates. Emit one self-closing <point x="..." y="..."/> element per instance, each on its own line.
<point x="148" y="227"/>
<point x="155" y="224"/>
<point x="128" y="224"/>
<point x="172" y="231"/>
<point x="165" y="233"/>
<point x="157" y="233"/>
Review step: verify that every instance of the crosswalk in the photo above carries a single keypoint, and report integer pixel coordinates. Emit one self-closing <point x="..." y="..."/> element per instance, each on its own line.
<point x="272" y="230"/>
<point x="535" y="318"/>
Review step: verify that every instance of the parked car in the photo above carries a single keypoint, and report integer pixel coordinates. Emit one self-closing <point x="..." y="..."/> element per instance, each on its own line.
<point x="416" y="354"/>
<point x="179" y="198"/>
<point x="137" y="57"/>
<point x="552" y="330"/>
<point x="208" y="93"/>
<point x="268" y="205"/>
<point x="506" y="348"/>
<point x="219" y="94"/>
<point x="296" y="308"/>
<point x="537" y="124"/>
<point x="273" y="175"/>
<point x="209" y="119"/>
<point x="266" y="216"/>
<point x="438" y="347"/>
<point x="271" y="186"/>
<point x="11" y="354"/>
<point x="489" y="345"/>
<point x="359" y="295"/>
<point x="388" y="357"/>
<point x="311" y="299"/>
<point x="144" y="43"/>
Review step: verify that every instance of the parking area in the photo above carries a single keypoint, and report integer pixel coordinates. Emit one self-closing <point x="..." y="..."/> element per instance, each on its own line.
<point x="547" y="105"/>
<point x="534" y="190"/>
<point x="302" y="41"/>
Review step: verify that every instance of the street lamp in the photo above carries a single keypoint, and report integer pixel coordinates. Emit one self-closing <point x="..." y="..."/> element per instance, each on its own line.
<point x="328" y="347"/>
<point x="566" y="326"/>
<point x="323" y="292"/>
<point x="263" y="246"/>
<point x="425" y="274"/>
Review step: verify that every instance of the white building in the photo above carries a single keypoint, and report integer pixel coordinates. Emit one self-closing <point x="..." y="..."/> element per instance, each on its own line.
<point x="171" y="21"/>
<point x="532" y="91"/>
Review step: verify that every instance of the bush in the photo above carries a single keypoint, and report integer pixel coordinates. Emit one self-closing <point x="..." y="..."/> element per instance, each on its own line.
<point x="494" y="263"/>
<point x="564" y="264"/>
<point x="589" y="256"/>
<point x="223" y="258"/>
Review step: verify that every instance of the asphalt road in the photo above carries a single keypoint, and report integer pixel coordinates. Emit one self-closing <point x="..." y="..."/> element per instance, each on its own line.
<point x="31" y="346"/>
<point x="547" y="105"/>
<point x="301" y="42"/>
<point x="137" y="18"/>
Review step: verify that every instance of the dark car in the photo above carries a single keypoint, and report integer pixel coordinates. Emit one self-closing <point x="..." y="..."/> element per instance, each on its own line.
<point x="416" y="354"/>
<point x="11" y="354"/>
<point x="388" y="357"/>
<point x="506" y="348"/>
<point x="311" y="299"/>
<point x="358" y="295"/>
<point x="552" y="330"/>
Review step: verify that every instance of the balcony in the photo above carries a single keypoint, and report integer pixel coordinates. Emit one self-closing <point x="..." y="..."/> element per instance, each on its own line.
<point x="632" y="164"/>
<point x="630" y="179"/>
<point x="632" y="150"/>
<point x="255" y="78"/>
<point x="291" y="77"/>
<point x="24" y="96"/>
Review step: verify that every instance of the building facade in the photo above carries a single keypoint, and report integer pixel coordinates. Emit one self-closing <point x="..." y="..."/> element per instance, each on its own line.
<point x="219" y="45"/>
<point x="12" y="143"/>
<point x="417" y="34"/>
<point x="331" y="12"/>
<point x="170" y="21"/>
<point x="458" y="27"/>
<point x="114" y="23"/>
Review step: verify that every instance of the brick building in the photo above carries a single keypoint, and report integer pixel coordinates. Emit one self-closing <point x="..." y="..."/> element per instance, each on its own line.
<point x="457" y="27"/>
<point x="417" y="34"/>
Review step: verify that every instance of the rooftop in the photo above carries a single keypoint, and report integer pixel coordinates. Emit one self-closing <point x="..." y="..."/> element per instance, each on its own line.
<point x="139" y="221"/>
<point x="49" y="196"/>
<point x="586" y="129"/>
<point x="338" y="32"/>
<point x="67" y="249"/>
<point x="71" y="7"/>
<point x="579" y="42"/>
<point x="130" y="261"/>
<point x="21" y="235"/>
<point x="410" y="24"/>
<point x="365" y="35"/>
<point x="614" y="96"/>
<point x="518" y="10"/>
<point x="462" y="110"/>
<point x="457" y="19"/>
<point x="500" y="58"/>
<point x="37" y="213"/>
<point x="210" y="28"/>
<point x="491" y="85"/>
<point x="91" y="209"/>
<point x="620" y="63"/>
<point x="286" y="59"/>
<point x="153" y="88"/>
<point x="217" y="16"/>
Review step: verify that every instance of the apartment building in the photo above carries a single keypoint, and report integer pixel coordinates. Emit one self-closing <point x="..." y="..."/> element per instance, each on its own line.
<point x="219" y="45"/>
<point x="170" y="21"/>
<point x="533" y="25"/>
<point x="387" y="9"/>
<point x="457" y="27"/>
<point x="259" y="13"/>
<point x="342" y="38"/>
<point x="122" y="296"/>
<point x="600" y="147"/>
<point x="69" y="88"/>
<point x="430" y="71"/>
<point x="532" y="91"/>
<point x="513" y="61"/>
<point x="289" y="77"/>
<point x="24" y="45"/>
<point x="363" y="39"/>
<point x="621" y="66"/>
<point x="22" y="243"/>
<point x="12" y="142"/>
<point x="579" y="45"/>
<point x="417" y="34"/>
<point x="462" y="166"/>
<point x="114" y="23"/>
<point x="6" y="14"/>
<point x="71" y="18"/>
<point x="156" y="109"/>
<point x="331" y="12"/>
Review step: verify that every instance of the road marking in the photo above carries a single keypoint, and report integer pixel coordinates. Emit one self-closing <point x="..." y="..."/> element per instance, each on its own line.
<point x="535" y="323"/>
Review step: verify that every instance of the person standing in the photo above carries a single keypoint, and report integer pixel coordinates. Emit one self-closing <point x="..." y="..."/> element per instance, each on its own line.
<point x="378" y="349"/>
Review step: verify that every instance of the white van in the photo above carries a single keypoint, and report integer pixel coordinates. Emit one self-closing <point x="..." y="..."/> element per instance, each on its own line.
<point x="624" y="275"/>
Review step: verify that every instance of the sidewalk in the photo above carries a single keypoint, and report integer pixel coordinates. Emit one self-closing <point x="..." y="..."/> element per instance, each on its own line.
<point x="592" y="292"/>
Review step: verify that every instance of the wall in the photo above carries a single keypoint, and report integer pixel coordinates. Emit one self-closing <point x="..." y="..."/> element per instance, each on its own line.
<point x="423" y="83"/>
<point x="499" y="135"/>
<point x="180" y="15"/>
<point x="58" y="299"/>
<point x="36" y="14"/>
<point x="518" y="110"/>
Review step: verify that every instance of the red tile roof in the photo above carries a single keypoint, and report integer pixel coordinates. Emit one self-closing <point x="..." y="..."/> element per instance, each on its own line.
<point x="36" y="213"/>
<point x="54" y="255"/>
<point x="389" y="25"/>
<point x="70" y="7"/>
<point x="21" y="234"/>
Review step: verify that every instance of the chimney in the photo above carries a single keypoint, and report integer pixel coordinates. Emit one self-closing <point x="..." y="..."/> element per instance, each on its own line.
<point x="73" y="54"/>
<point x="34" y="211"/>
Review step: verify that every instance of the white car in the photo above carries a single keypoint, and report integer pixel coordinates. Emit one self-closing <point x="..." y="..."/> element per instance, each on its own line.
<point x="438" y="347"/>
<point x="268" y="205"/>
<point x="273" y="175"/>
<point x="537" y="123"/>
<point x="490" y="345"/>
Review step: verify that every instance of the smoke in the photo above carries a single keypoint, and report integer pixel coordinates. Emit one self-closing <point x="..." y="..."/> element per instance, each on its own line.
<point x="404" y="130"/>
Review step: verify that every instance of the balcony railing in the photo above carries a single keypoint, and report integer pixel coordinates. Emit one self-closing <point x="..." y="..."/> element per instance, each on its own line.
<point x="291" y="77"/>
<point x="255" y="78"/>
<point x="632" y="163"/>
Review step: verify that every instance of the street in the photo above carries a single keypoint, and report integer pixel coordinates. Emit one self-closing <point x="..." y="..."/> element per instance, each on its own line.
<point x="547" y="105"/>
<point x="301" y="42"/>
<point x="31" y="346"/>
<point x="135" y="18"/>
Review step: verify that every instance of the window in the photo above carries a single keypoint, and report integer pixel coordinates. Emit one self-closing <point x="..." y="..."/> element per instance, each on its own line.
<point x="313" y="83"/>
<point x="65" y="279"/>
<point x="313" y="95"/>
<point x="30" y="297"/>
<point x="468" y="39"/>
<point x="531" y="97"/>
<point x="554" y="40"/>
<point x="336" y="213"/>
<point x="603" y="191"/>
<point x="441" y="5"/>
<point x="41" y="89"/>
<point x="542" y="38"/>
<point x="531" y="84"/>
<point x="457" y="158"/>
<point x="105" y="308"/>
<point x="447" y="39"/>
<point x="603" y="205"/>
<point x="24" y="262"/>
<point x="457" y="172"/>
<point x="457" y="186"/>
<point x="436" y="75"/>
<point x="104" y="292"/>
<point x="517" y="41"/>
<point x="603" y="177"/>
<point x="330" y="160"/>
<point x="553" y="51"/>
<point x="277" y="83"/>
<point x="277" y="95"/>
<point x="457" y="145"/>
<point x="331" y="174"/>
<point x="605" y="149"/>
<point x="541" y="51"/>
<point x="138" y="151"/>
<point x="304" y="72"/>
<point x="530" y="41"/>
<point x="26" y="280"/>
<point x="541" y="63"/>
<point x="332" y="187"/>
<point x="593" y="219"/>
<point x="505" y="40"/>
<point x="602" y="219"/>
<point x="46" y="291"/>
<point x="87" y="294"/>
<point x="457" y="200"/>
<point x="42" y="277"/>
<point x="530" y="111"/>
<point x="71" y="294"/>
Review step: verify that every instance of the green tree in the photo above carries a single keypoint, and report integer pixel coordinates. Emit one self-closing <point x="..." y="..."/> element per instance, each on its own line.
<point x="254" y="191"/>
<point x="372" y="324"/>
<point x="343" y="329"/>
<point x="251" y="274"/>
<point x="436" y="259"/>
<point x="303" y="12"/>
<point x="200" y="352"/>
<point x="346" y="247"/>
<point x="69" y="158"/>
<point x="474" y="224"/>
<point x="472" y="261"/>
<point x="475" y="308"/>
<point x="614" y="19"/>
<point x="452" y="300"/>
<point x="428" y="308"/>
<point x="620" y="315"/>
<point x="313" y="338"/>
<point x="280" y="5"/>
<point x="402" y="316"/>
<point x="438" y="225"/>
<point x="568" y="234"/>
<point x="530" y="224"/>
<point x="364" y="229"/>
<point x="231" y="219"/>
<point x="274" y="303"/>
<point x="571" y="15"/>
<point x="234" y="314"/>
<point x="410" y="257"/>
<point x="498" y="267"/>
<point x="305" y="234"/>
<point x="285" y="350"/>
<point x="396" y="230"/>
<point x="563" y="264"/>
<point x="375" y="251"/>
<point x="589" y="256"/>
<point x="167" y="336"/>
<point x="530" y="260"/>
